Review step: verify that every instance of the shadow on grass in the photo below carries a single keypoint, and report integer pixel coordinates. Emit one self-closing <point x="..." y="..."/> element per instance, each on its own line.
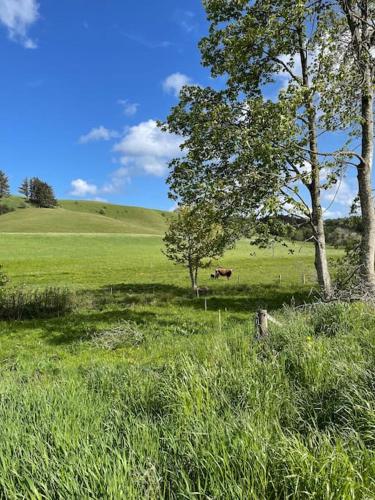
<point x="234" y="298"/>
<point x="114" y="303"/>
<point x="77" y="326"/>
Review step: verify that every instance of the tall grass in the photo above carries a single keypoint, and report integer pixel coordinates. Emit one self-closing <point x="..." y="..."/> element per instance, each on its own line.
<point x="25" y="303"/>
<point x="291" y="417"/>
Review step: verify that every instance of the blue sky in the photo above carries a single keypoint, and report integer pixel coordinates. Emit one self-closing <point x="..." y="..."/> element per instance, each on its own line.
<point x="83" y="82"/>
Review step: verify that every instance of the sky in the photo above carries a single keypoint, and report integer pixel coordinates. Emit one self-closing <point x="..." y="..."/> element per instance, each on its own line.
<point x="82" y="86"/>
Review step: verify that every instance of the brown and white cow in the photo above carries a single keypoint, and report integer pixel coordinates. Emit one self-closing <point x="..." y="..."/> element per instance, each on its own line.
<point x="222" y="271"/>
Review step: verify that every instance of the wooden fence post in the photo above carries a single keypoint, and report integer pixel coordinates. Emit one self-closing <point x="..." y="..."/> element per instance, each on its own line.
<point x="280" y="278"/>
<point x="205" y="304"/>
<point x="262" y="323"/>
<point x="219" y="320"/>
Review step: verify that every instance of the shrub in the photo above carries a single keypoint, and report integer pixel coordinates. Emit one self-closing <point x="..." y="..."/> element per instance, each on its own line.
<point x="22" y="303"/>
<point x="4" y="209"/>
<point x="3" y="277"/>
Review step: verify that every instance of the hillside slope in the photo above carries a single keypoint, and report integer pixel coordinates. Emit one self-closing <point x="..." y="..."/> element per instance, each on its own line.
<point x="82" y="217"/>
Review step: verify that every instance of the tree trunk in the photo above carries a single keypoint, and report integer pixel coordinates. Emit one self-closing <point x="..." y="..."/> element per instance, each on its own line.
<point x="192" y="274"/>
<point x="321" y="262"/>
<point x="364" y="184"/>
<point x="362" y="43"/>
<point x="317" y="221"/>
<point x="196" y="276"/>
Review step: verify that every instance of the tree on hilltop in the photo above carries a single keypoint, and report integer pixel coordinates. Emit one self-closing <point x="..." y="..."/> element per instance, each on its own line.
<point x="41" y="194"/>
<point x="4" y="185"/>
<point x="25" y="188"/>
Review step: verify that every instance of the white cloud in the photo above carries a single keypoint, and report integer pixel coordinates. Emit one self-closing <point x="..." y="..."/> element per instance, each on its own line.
<point x="129" y="108"/>
<point x="146" y="148"/>
<point x="98" y="134"/>
<point x="174" y="83"/>
<point x="118" y="179"/>
<point x="334" y="214"/>
<point x="17" y="16"/>
<point x="83" y="188"/>
<point x="339" y="199"/>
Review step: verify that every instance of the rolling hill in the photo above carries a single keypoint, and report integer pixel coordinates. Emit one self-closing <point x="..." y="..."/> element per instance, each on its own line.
<point x="81" y="217"/>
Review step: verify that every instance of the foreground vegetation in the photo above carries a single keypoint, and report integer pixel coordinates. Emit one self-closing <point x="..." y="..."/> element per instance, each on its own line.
<point x="219" y="416"/>
<point x="140" y="393"/>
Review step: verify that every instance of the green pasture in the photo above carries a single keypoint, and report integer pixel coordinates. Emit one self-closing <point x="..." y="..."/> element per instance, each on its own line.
<point x="118" y="277"/>
<point x="191" y="405"/>
<point x="96" y="260"/>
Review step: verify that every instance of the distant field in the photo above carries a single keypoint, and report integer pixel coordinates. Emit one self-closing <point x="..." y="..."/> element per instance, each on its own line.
<point x="83" y="260"/>
<point x="82" y="217"/>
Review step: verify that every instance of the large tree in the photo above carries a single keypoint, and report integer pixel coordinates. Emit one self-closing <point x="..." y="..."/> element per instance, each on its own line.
<point x="194" y="239"/>
<point x="254" y="151"/>
<point x="348" y="101"/>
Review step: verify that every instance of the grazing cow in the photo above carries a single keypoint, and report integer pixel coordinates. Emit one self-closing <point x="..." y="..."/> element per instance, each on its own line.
<point x="221" y="271"/>
<point x="213" y="276"/>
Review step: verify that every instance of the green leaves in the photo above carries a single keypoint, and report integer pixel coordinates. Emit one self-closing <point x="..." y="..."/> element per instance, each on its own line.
<point x="195" y="237"/>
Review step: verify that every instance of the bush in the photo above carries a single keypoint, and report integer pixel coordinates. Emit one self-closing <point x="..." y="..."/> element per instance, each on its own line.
<point x="3" y="277"/>
<point x="22" y="303"/>
<point x="4" y="209"/>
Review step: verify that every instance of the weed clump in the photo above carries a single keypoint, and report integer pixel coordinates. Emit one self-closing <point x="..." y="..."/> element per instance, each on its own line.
<point x="331" y="319"/>
<point x="122" y="334"/>
<point x="23" y="303"/>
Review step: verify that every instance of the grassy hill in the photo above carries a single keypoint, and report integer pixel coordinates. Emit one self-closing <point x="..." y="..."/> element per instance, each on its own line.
<point x="81" y="217"/>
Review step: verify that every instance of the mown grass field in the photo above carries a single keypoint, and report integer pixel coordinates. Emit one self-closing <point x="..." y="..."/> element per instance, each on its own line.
<point x="185" y="407"/>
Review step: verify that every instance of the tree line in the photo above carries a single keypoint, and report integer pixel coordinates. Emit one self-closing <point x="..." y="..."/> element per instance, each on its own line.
<point x="251" y="155"/>
<point x="34" y="190"/>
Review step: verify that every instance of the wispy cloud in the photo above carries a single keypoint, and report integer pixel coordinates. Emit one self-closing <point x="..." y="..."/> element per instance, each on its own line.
<point x="186" y="19"/>
<point x="148" y="44"/>
<point x="18" y="16"/>
<point x="174" y="83"/>
<point x="98" y="134"/>
<point x="129" y="108"/>
<point x="118" y="179"/>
